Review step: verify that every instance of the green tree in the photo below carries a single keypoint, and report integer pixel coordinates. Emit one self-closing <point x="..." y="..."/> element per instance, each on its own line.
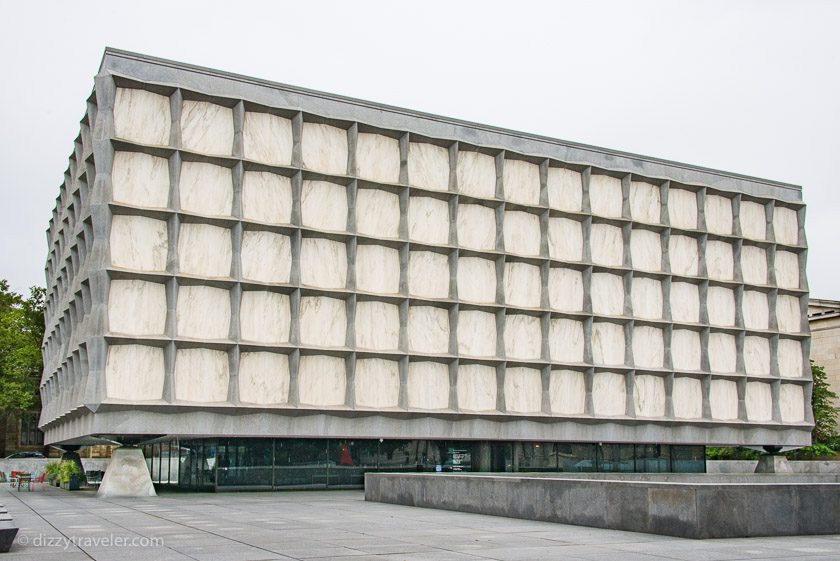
<point x="823" y="404"/>
<point x="21" y="334"/>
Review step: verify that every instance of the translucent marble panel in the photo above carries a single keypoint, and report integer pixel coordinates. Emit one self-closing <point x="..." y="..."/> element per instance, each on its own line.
<point x="522" y="285"/>
<point x="723" y="399"/>
<point x="476" y="227"/>
<point x="264" y="378"/>
<point x="787" y="269"/>
<point x="378" y="213"/>
<point x="324" y="148"/>
<point x="685" y="302"/>
<point x="684" y="255"/>
<point x="646" y="296"/>
<point x="203" y="312"/>
<point x="682" y="209"/>
<point x="476" y="387"/>
<point x="134" y="372"/>
<point x="788" y="314"/>
<point x="785" y="226"/>
<point x="649" y="396"/>
<point x="476" y="333"/>
<point x="377" y="326"/>
<point x="264" y="317"/>
<point x="523" y="390"/>
<point x="136" y="307"/>
<point x="428" y="274"/>
<point x="428" y="166"/>
<point x="687" y="397"/>
<point x="204" y="250"/>
<point x="607" y="292"/>
<point x="428" y="329"/>
<point x="648" y="347"/>
<point x="565" y="189"/>
<point x="266" y="256"/>
<point x="428" y="220"/>
<point x="201" y="375"/>
<point x="427" y="385"/>
<point x="722" y="352"/>
<point x="142" y="117"/>
<point x="476" y="280"/>
<point x="378" y="158"/>
<point x="565" y="239"/>
<point x="267" y="138"/>
<point x="753" y="220"/>
<point x="720" y="304"/>
<point x="377" y="269"/>
<point x="718" y="215"/>
<point x="522" y="182"/>
<point x="607" y="343"/>
<point x="792" y="403"/>
<point x="322" y="380"/>
<point x="753" y="264"/>
<point x="790" y="358"/>
<point x="646" y="250"/>
<point x="757" y="356"/>
<point x="522" y="233"/>
<point x="266" y="197"/>
<point x="206" y="189"/>
<point x="323" y="263"/>
<point x="207" y="128"/>
<point x="645" y="203"/>
<point x="140" y="180"/>
<point x="567" y="392"/>
<point x="605" y="196"/>
<point x="565" y="289"/>
<point x="756" y="310"/>
<point x="685" y="349"/>
<point x="720" y="263"/>
<point x="477" y="174"/>
<point x="609" y="394"/>
<point x="323" y="321"/>
<point x="758" y="399"/>
<point x="138" y="243"/>
<point x="323" y="205"/>
<point x="523" y="337"/>
<point x="566" y="340"/>
<point x="377" y="382"/>
<point x="607" y="245"/>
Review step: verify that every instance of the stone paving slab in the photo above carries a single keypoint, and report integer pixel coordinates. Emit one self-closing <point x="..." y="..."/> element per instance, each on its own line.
<point x="338" y="525"/>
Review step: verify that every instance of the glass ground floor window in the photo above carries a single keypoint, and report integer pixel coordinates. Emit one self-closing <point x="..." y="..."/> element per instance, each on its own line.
<point x="301" y="463"/>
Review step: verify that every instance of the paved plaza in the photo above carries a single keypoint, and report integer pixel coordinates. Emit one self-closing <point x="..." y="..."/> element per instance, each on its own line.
<point x="70" y="526"/>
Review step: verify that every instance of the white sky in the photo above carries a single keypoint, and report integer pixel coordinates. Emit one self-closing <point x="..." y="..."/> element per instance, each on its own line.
<point x="745" y="86"/>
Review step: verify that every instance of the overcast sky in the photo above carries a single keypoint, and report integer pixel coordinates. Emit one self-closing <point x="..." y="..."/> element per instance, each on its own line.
<point x="747" y="87"/>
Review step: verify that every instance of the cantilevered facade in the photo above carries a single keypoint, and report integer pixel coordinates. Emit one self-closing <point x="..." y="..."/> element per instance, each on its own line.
<point x="233" y="258"/>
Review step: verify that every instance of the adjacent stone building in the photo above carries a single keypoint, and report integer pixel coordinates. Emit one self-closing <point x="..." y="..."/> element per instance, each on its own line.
<point x="269" y="286"/>
<point x="824" y="320"/>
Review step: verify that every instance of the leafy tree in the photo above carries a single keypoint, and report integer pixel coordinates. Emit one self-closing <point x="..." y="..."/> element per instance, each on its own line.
<point x="822" y="402"/>
<point x="21" y="333"/>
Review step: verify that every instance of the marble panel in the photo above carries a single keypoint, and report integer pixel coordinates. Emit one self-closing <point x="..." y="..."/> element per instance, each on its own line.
<point x="377" y="383"/>
<point x="377" y="213"/>
<point x="323" y="263"/>
<point x="685" y="302"/>
<point x="476" y="174"/>
<point x="204" y="250"/>
<point x="787" y="270"/>
<point x="648" y="347"/>
<point x="609" y="394"/>
<point x="607" y="245"/>
<point x="266" y="256"/>
<point x="753" y="219"/>
<point x="522" y="232"/>
<point x="567" y="392"/>
<point x="136" y="307"/>
<point x="263" y="378"/>
<point x="378" y="158"/>
<point x="756" y="310"/>
<point x="142" y="116"/>
<point x="476" y="280"/>
<point x="605" y="196"/>
<point x="427" y="385"/>
<point x="523" y="285"/>
<point x="684" y="255"/>
<point x="720" y="263"/>
<point x="566" y="340"/>
<point x="565" y="289"/>
<point x="428" y="166"/>
<point x="428" y="329"/>
<point x="134" y="372"/>
<point x="138" y="179"/>
<point x="138" y="243"/>
<point x="646" y="297"/>
<point x="267" y="138"/>
<point x="786" y="226"/>
<point x="476" y="227"/>
<point x="790" y="357"/>
<point x="723" y="398"/>
<point x="792" y="403"/>
<point x="206" y="189"/>
<point x="201" y="375"/>
<point x="686" y="350"/>
<point x="722" y="353"/>
<point x="377" y="326"/>
<point x="607" y="343"/>
<point x="264" y="317"/>
<point x="323" y="321"/>
<point x="523" y="390"/>
<point x="324" y="148"/>
<point x="523" y="337"/>
<point x="323" y="205"/>
<point x="207" y="128"/>
<point x="428" y="274"/>
<point x="720" y="304"/>
<point x="565" y="239"/>
<point x="476" y="333"/>
<point x="788" y="314"/>
<point x="649" y="396"/>
<point x="607" y="292"/>
<point x="645" y="202"/>
<point x="565" y="189"/>
<point x="203" y="312"/>
<point x="377" y="269"/>
<point x="718" y="215"/>
<point x="266" y="197"/>
<point x="322" y="381"/>
<point x="757" y="355"/>
<point x="521" y="182"/>
<point x="646" y="250"/>
<point x="758" y="399"/>
<point x="477" y="387"/>
<point x="753" y="264"/>
<point x="428" y="220"/>
<point x="682" y="209"/>
<point x="687" y="397"/>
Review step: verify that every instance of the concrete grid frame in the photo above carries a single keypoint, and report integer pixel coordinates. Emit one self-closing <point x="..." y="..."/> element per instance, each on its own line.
<point x="230" y="256"/>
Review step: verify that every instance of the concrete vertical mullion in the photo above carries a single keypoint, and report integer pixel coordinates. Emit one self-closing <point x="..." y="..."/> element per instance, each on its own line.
<point x="499" y="214"/>
<point x="704" y="310"/>
<point x="545" y="282"/>
<point x="544" y="165"/>
<point x="351" y="246"/>
<point x="176" y="104"/>
<point x="545" y="335"/>
<point x="500" y="262"/>
<point x="233" y="373"/>
<point x="775" y="387"/>
<point x="701" y="209"/>
<point x="453" y="167"/>
<point x="350" y="386"/>
<point x="402" y="401"/>
<point x="453" y="385"/>
<point x="665" y="237"/>
<point x="587" y="289"/>
<point x="589" y="382"/>
<point x="739" y="306"/>
<point x="664" y="215"/>
<point x="586" y="225"/>
<point x="297" y="185"/>
<point x="404" y="256"/>
<point x="627" y="233"/>
<point x="740" y="367"/>
<point x="352" y="143"/>
<point x="627" y="281"/>
<point x="626" y="180"/>
<point x="629" y="326"/>
<point x="585" y="203"/>
<point x="352" y="191"/>
<point x="741" y="384"/>
<point x="772" y="297"/>
<point x="350" y="310"/>
<point x="454" y="311"/>
<point x="771" y="266"/>
<point x="630" y="393"/>
<point x="170" y="353"/>
<point x="501" y="406"/>
<point x="667" y="336"/>
<point x="453" y="274"/>
<point x="500" y="334"/>
<point x="706" y="382"/>
<point x="736" y="216"/>
<point x="404" y="144"/>
<point x="405" y="201"/>
<point x="238" y="175"/>
<point x="669" y="395"/>
<point x="500" y="175"/>
<point x="704" y="346"/>
<point x="544" y="221"/>
<point x="587" y="340"/>
<point x="238" y="127"/>
<point x="403" y="337"/>
<point x="297" y="140"/>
